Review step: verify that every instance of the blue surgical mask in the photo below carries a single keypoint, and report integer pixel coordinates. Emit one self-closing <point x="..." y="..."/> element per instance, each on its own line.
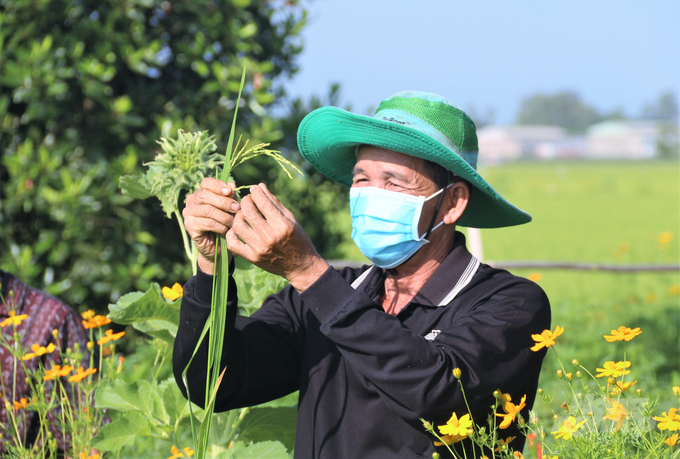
<point x="385" y="224"/>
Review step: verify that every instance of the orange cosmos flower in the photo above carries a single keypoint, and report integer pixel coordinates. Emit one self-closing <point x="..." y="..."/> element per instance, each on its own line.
<point x="502" y="443"/>
<point x="84" y="455"/>
<point x="622" y="334"/>
<point x="669" y="421"/>
<point x="173" y="293"/>
<point x="80" y="374"/>
<point x="57" y="371"/>
<point x="110" y="336"/>
<point x="13" y="319"/>
<point x="21" y="404"/>
<point x="39" y="350"/>
<point x="511" y="411"/>
<point x="672" y="440"/>
<point x="454" y="430"/>
<point x="614" y="369"/>
<point x="535" y="277"/>
<point x="620" y="388"/>
<point x="617" y="412"/>
<point x="177" y="453"/>
<point x="546" y="339"/>
<point x="96" y="322"/>
<point x="568" y="427"/>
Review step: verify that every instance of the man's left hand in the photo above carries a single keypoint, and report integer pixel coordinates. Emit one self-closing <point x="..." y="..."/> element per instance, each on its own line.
<point x="267" y="234"/>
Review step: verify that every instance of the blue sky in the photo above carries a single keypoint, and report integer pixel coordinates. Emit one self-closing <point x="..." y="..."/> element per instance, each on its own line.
<point x="481" y="54"/>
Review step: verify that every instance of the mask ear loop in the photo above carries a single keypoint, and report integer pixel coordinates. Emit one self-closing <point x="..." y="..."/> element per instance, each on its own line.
<point x="439" y="203"/>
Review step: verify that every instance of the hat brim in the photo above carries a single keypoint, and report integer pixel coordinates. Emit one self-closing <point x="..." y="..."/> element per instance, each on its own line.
<point x="328" y="137"/>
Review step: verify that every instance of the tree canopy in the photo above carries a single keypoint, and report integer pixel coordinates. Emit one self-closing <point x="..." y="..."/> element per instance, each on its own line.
<point x="85" y="90"/>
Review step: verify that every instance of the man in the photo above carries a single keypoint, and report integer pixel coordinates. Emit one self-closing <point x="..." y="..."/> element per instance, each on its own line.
<point x="372" y="350"/>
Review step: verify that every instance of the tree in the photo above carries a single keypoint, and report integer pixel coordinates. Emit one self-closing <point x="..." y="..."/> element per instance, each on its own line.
<point x="665" y="108"/>
<point x="565" y="109"/>
<point x="86" y="88"/>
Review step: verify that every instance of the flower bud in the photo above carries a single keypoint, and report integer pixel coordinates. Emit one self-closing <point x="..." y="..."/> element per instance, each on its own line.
<point x="435" y="455"/>
<point x="49" y="435"/>
<point x="569" y="376"/>
<point x="470" y="432"/>
<point x="579" y="374"/>
<point x="540" y="391"/>
<point x="427" y="425"/>
<point x="90" y="345"/>
<point x="590" y="413"/>
<point x="497" y="393"/>
<point x="611" y="381"/>
<point x="55" y="333"/>
<point x="456" y="373"/>
<point x="639" y="391"/>
<point x="676" y="390"/>
<point x="559" y="374"/>
<point x="574" y="362"/>
<point x="11" y="293"/>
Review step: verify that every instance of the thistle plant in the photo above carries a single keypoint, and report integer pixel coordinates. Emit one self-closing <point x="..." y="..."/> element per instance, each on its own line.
<point x="180" y="167"/>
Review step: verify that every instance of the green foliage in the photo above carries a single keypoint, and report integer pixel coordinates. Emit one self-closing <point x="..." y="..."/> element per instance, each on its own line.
<point x="85" y="87"/>
<point x="565" y="109"/>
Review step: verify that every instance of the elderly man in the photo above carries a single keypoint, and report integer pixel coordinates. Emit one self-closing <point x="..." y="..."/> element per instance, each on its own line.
<point x="372" y="350"/>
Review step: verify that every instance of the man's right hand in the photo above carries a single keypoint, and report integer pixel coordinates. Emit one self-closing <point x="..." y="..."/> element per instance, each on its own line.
<point x="208" y="212"/>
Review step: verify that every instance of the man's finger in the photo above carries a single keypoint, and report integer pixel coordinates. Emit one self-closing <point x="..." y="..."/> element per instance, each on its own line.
<point x="218" y="186"/>
<point x="279" y="205"/>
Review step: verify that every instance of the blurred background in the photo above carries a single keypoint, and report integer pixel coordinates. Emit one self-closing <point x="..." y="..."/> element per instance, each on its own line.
<point x="576" y="104"/>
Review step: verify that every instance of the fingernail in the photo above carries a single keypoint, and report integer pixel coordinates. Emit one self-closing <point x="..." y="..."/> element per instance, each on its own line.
<point x="235" y="206"/>
<point x="225" y="190"/>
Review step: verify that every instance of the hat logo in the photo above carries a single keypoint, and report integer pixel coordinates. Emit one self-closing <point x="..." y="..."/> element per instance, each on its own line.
<point x="394" y="120"/>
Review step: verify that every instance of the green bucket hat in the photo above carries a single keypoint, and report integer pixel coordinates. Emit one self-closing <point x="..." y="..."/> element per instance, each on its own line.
<point x="418" y="124"/>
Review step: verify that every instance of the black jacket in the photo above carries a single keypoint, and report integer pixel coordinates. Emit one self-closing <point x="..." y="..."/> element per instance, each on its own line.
<point x="366" y="377"/>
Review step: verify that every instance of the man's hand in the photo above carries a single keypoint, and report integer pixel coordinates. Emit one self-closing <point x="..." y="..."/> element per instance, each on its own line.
<point x="265" y="233"/>
<point x="208" y="212"/>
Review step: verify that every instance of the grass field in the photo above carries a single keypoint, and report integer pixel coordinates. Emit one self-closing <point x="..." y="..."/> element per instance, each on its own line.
<point x="608" y="213"/>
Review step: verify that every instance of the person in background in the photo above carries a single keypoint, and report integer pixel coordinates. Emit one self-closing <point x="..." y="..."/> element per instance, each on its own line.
<point x="48" y="323"/>
<point x="372" y="350"/>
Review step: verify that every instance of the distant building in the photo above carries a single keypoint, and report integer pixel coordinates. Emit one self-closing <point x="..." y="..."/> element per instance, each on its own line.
<point x="499" y="144"/>
<point x="623" y="139"/>
<point x="618" y="139"/>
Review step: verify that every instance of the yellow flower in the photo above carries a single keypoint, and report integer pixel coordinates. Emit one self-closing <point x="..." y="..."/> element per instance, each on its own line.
<point x="39" y="350"/>
<point x="535" y="277"/>
<point x="13" y="319"/>
<point x="173" y="293"/>
<point x="455" y="429"/>
<point x="84" y="455"/>
<point x="22" y="403"/>
<point x="672" y="440"/>
<point x="110" y="336"/>
<point x="546" y="339"/>
<point x="620" y="388"/>
<point x="617" y="412"/>
<point x="177" y="453"/>
<point x="614" y="369"/>
<point x="96" y="322"/>
<point x="676" y="390"/>
<point x="568" y="427"/>
<point x="517" y="455"/>
<point x="664" y="239"/>
<point x="674" y="290"/>
<point x="669" y="421"/>
<point x="80" y="374"/>
<point x="457" y="373"/>
<point x="511" y="411"/>
<point x="502" y="443"/>
<point x="623" y="334"/>
<point x="57" y="371"/>
<point x="87" y="315"/>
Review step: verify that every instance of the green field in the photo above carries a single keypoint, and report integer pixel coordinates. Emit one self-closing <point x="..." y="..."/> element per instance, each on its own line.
<point x="604" y="213"/>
